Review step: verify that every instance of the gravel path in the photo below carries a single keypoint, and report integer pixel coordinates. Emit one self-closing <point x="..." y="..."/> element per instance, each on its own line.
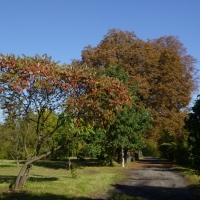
<point x="155" y="179"/>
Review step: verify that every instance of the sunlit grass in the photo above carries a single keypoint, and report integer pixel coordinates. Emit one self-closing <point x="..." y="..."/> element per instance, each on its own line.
<point x="51" y="177"/>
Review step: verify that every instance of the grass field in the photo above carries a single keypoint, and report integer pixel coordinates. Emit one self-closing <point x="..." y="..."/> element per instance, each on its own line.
<point x="53" y="180"/>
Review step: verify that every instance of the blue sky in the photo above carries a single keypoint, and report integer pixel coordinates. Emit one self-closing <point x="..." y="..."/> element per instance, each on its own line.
<point x="62" y="28"/>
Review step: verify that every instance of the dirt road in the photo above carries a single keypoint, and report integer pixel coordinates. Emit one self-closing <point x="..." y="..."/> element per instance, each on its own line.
<point x="155" y="179"/>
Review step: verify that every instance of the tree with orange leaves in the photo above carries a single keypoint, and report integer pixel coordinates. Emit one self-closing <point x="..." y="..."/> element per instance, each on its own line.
<point x="34" y="88"/>
<point x="161" y="71"/>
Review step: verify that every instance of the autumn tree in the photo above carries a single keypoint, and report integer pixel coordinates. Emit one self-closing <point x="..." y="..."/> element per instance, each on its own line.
<point x="36" y="85"/>
<point x="161" y="71"/>
<point x="126" y="132"/>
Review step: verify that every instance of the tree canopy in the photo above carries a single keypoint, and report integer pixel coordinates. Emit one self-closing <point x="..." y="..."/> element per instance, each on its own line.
<point x="34" y="88"/>
<point x="126" y="132"/>
<point x="160" y="69"/>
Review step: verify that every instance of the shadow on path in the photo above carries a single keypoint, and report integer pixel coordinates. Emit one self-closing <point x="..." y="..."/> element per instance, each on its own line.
<point x="27" y="196"/>
<point x="157" y="193"/>
<point x="154" y="160"/>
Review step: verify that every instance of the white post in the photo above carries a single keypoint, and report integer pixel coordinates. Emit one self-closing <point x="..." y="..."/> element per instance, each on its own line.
<point x="122" y="157"/>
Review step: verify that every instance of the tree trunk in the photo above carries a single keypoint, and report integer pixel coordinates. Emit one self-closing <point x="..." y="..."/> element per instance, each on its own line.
<point x="122" y="157"/>
<point x="18" y="180"/>
<point x="70" y="163"/>
<point x="17" y="161"/>
<point x="125" y="155"/>
<point x="23" y="174"/>
<point x="111" y="162"/>
<point x="25" y="135"/>
<point x="119" y="155"/>
<point x="23" y="178"/>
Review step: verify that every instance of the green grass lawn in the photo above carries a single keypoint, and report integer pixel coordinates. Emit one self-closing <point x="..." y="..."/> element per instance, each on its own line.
<point x="53" y="180"/>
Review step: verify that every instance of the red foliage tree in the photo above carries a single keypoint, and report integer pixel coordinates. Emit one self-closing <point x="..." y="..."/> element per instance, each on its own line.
<point x="37" y="85"/>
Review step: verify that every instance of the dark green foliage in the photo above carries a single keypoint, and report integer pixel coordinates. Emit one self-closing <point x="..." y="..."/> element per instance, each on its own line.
<point x="126" y="132"/>
<point x="173" y="147"/>
<point x="118" y="72"/>
<point x="151" y="148"/>
<point x="167" y="145"/>
<point x="129" y="128"/>
<point x="193" y="126"/>
<point x="93" y="144"/>
<point x="182" y="154"/>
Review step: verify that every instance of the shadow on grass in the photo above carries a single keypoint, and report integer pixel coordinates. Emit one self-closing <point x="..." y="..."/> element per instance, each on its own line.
<point x="5" y="166"/>
<point x="23" y="195"/>
<point x="154" y="160"/>
<point x="42" y="179"/>
<point x="7" y="179"/>
<point x="10" y="179"/>
<point x="65" y="164"/>
<point x="52" y="164"/>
